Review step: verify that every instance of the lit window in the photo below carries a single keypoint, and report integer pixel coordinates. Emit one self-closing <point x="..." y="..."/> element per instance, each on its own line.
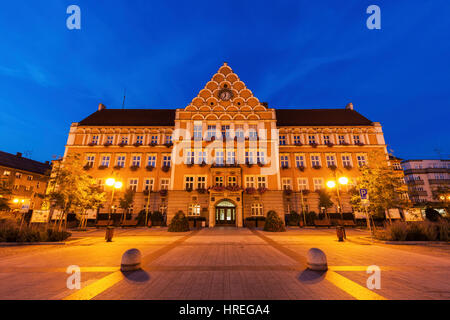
<point x="257" y="209"/>
<point x="30" y="178"/>
<point x="6" y="173"/>
<point x="18" y="175"/>
<point x="194" y="209"/>
<point x="90" y="160"/>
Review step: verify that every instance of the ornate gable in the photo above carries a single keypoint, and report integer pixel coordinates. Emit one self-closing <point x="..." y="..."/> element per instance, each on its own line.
<point x="226" y="97"/>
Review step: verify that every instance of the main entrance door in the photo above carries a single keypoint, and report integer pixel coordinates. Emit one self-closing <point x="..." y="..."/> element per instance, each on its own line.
<point x="225" y="213"/>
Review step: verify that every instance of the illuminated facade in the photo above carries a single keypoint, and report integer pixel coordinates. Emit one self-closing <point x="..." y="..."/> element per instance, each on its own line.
<point x="226" y="156"/>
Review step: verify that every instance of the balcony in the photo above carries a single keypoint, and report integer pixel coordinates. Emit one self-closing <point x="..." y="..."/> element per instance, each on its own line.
<point x="416" y="182"/>
<point x="439" y="181"/>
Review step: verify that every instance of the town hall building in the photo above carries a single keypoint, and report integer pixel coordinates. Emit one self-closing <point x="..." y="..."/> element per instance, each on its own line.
<point x="226" y="155"/>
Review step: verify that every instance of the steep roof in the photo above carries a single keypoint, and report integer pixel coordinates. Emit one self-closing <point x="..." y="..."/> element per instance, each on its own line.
<point x="320" y="117"/>
<point x="131" y="117"/>
<point x="18" y="162"/>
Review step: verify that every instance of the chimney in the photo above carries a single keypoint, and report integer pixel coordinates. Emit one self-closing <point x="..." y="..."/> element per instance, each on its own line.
<point x="349" y="106"/>
<point x="101" y="107"/>
<point x="19" y="154"/>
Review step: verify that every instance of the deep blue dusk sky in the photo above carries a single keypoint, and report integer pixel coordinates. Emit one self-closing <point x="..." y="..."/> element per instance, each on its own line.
<point x="304" y="54"/>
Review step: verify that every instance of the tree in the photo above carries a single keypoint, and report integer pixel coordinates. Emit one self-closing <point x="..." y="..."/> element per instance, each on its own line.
<point x="274" y="223"/>
<point x="126" y="202"/>
<point x="5" y="192"/>
<point x="385" y="186"/>
<point x="72" y="188"/>
<point x="325" y="200"/>
<point x="93" y="199"/>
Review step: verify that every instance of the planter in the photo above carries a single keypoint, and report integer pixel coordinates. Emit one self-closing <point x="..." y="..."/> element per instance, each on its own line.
<point x="149" y="168"/>
<point x="250" y="190"/>
<point x="348" y="167"/>
<point x="87" y="167"/>
<point x="122" y="145"/>
<point x="317" y="167"/>
<point x="262" y="190"/>
<point x="168" y="145"/>
<point x="163" y="193"/>
<point x="137" y="144"/>
<point x="165" y="168"/>
<point x="330" y="144"/>
<point x="314" y="145"/>
<point x="102" y="167"/>
<point x="134" y="168"/>
<point x="332" y="168"/>
<point x="298" y="144"/>
<point x="107" y="144"/>
<point x="201" y="190"/>
<point x="91" y="144"/>
<point x="301" y="168"/>
<point x="152" y="144"/>
<point x="284" y="167"/>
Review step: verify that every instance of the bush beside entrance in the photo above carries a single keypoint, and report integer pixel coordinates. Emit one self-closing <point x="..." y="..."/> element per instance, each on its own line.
<point x="179" y="223"/>
<point x="274" y="223"/>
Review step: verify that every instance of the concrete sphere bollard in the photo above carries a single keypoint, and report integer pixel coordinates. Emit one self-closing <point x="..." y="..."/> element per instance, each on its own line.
<point x="131" y="260"/>
<point x="316" y="260"/>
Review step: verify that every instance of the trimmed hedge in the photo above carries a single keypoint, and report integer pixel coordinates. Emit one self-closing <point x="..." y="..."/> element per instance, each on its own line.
<point x="274" y="223"/>
<point x="9" y="232"/>
<point x="179" y="223"/>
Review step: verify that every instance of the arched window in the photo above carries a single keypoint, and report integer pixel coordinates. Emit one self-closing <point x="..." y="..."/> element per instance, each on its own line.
<point x="194" y="209"/>
<point x="257" y="209"/>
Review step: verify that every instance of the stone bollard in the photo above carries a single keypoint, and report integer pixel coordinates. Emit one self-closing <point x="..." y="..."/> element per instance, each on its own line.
<point x="316" y="260"/>
<point x="131" y="260"/>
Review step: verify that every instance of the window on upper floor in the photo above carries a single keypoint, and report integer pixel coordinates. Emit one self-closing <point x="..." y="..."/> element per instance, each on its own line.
<point x="318" y="184"/>
<point x="109" y="139"/>
<point x="297" y="139"/>
<point x="326" y="139"/>
<point x="232" y="181"/>
<point x="154" y="140"/>
<point x="168" y="139"/>
<point x="312" y="139"/>
<point x="166" y="160"/>
<point x="164" y="182"/>
<point x="18" y="175"/>
<point x="149" y="184"/>
<point x="218" y="181"/>
<point x="201" y="157"/>
<point x="30" y="178"/>
<point x="190" y="157"/>
<point x="239" y="131"/>
<point x="253" y="131"/>
<point x="300" y="161"/>
<point x="132" y="184"/>
<point x="284" y="161"/>
<point x="136" y="161"/>
<point x="90" y="159"/>
<point x="94" y="140"/>
<point x="198" y="128"/>
<point x="282" y="140"/>
<point x="226" y="132"/>
<point x="315" y="160"/>
<point x="219" y="158"/>
<point x="262" y="182"/>
<point x="286" y="183"/>
<point x="356" y="139"/>
<point x="140" y="139"/>
<point x="201" y="182"/>
<point x="346" y="160"/>
<point x="120" y="162"/>
<point x="250" y="157"/>
<point x="302" y="184"/>
<point x="249" y="181"/>
<point x="151" y="160"/>
<point x="211" y="132"/>
<point x="231" y="157"/>
<point x="331" y="160"/>
<point x="189" y="182"/>
<point x="194" y="209"/>
<point x="341" y="139"/>
<point x="105" y="161"/>
<point x="6" y="173"/>
<point x="261" y="157"/>
<point x="362" y="160"/>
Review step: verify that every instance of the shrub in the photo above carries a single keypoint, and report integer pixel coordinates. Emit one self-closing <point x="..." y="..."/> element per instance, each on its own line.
<point x="443" y="228"/>
<point x="157" y="217"/>
<point x="294" y="218"/>
<point x="432" y="215"/>
<point x="179" y="223"/>
<point x="396" y="231"/>
<point x="274" y="223"/>
<point x="9" y="232"/>
<point x="57" y="235"/>
<point x="416" y="232"/>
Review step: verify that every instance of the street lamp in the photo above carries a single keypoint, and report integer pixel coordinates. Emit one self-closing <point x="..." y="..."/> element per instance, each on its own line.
<point x="332" y="184"/>
<point x="111" y="182"/>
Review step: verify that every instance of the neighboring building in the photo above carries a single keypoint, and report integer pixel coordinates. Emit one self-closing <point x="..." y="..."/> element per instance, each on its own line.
<point x="227" y="141"/>
<point x="27" y="179"/>
<point x="425" y="177"/>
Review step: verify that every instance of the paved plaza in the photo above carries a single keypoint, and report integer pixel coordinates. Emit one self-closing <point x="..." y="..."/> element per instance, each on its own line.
<point x="224" y="263"/>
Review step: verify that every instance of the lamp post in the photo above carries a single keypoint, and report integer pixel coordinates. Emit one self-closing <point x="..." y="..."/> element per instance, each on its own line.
<point x="111" y="182"/>
<point x="332" y="184"/>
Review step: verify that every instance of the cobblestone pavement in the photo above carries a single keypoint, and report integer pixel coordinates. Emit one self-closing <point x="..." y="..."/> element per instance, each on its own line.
<point x="224" y="263"/>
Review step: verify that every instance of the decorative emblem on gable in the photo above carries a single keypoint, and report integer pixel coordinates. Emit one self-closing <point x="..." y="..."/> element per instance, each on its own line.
<point x="225" y="94"/>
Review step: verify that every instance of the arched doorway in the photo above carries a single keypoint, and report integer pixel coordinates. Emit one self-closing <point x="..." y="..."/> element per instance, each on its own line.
<point x="225" y="213"/>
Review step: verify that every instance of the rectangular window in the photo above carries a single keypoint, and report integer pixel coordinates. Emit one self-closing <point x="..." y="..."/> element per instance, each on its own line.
<point x="198" y="131"/>
<point x="90" y="160"/>
<point x="166" y="160"/>
<point x="341" y="139"/>
<point x="121" y="161"/>
<point x="140" y="139"/>
<point x="250" y="157"/>
<point x="262" y="182"/>
<point x="154" y="140"/>
<point x="165" y="183"/>
<point x="124" y="140"/>
<point x="257" y="209"/>
<point x="168" y="139"/>
<point x="105" y="161"/>
<point x="318" y="184"/>
<point x="361" y="160"/>
<point x="136" y="161"/>
<point x="286" y="183"/>
<point x="194" y="209"/>
<point x="282" y="140"/>
<point x="356" y="139"/>
<point x="219" y="158"/>
<point x="190" y="157"/>
<point x="326" y="140"/>
<point x="302" y="184"/>
<point x="18" y="175"/>
<point x="132" y="184"/>
<point x="94" y="140"/>
<point x="232" y="181"/>
<point x="315" y="160"/>
<point x="346" y="160"/>
<point x="253" y="131"/>
<point x="38" y="184"/>
<point x="231" y="157"/>
<point x="149" y="184"/>
<point x="211" y="132"/>
<point x="297" y="140"/>
<point x="300" y="161"/>
<point x="284" y="159"/>
<point x="218" y="181"/>
<point x="110" y="139"/>
<point x="6" y="173"/>
<point x="239" y="131"/>
<point x="226" y="132"/>
<point x="261" y="157"/>
<point x="249" y="181"/>
<point x="201" y="182"/>
<point x="201" y="157"/>
<point x="151" y="160"/>
<point x="188" y="182"/>
<point x="30" y="178"/>
<point x="311" y="139"/>
<point x="331" y="161"/>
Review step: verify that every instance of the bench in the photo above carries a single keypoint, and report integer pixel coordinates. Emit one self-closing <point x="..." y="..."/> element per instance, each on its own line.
<point x="322" y="223"/>
<point x="129" y="223"/>
<point x="103" y="223"/>
<point x="347" y="223"/>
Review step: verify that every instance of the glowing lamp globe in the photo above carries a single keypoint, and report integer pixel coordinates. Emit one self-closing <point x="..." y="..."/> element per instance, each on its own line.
<point x="110" y="182"/>
<point x="331" y="184"/>
<point x="343" y="180"/>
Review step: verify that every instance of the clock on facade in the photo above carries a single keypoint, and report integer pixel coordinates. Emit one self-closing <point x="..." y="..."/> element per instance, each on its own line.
<point x="225" y="94"/>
